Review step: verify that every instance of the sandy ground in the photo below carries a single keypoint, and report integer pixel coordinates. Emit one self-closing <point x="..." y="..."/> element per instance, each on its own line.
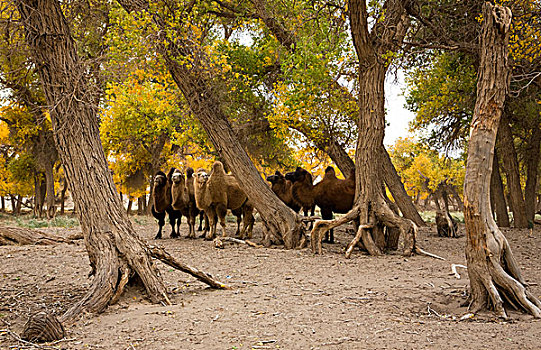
<point x="280" y="299"/>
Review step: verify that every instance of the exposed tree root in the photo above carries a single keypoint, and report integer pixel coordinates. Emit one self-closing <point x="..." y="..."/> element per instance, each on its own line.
<point x="383" y="216"/>
<point x="363" y="231"/>
<point x="24" y="236"/>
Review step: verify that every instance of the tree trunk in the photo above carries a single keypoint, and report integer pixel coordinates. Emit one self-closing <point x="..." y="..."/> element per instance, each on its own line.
<point x="328" y="144"/>
<point x="497" y="196"/>
<point x="532" y="166"/>
<point x="395" y="185"/>
<point x="130" y="203"/>
<point x="63" y="195"/>
<point x="141" y="201"/>
<point x="49" y="183"/>
<point x="370" y="207"/>
<point x="115" y="251"/>
<point x="2" y="204"/>
<point x="506" y="148"/>
<point x="19" y="205"/>
<point x="492" y="268"/>
<point x="186" y="63"/>
<point x="40" y="190"/>
<point x="13" y="204"/>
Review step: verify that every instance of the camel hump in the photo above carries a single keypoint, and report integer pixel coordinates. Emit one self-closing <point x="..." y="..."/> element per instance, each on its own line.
<point x="189" y="172"/>
<point x="218" y="168"/>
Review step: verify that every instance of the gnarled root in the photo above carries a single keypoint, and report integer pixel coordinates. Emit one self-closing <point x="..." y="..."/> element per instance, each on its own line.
<point x="495" y="278"/>
<point x="322" y="226"/>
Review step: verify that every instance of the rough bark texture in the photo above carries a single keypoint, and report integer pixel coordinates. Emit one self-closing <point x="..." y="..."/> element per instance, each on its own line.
<point x="186" y="63"/>
<point x="23" y="236"/>
<point x="532" y="165"/>
<point x="511" y="167"/>
<point x="492" y="268"/>
<point x="370" y="206"/>
<point x="395" y="185"/>
<point x="114" y="249"/>
<point x="328" y="143"/>
<point x="497" y="196"/>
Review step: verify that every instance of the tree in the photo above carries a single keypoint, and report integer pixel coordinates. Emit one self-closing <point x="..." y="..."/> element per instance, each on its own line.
<point x="492" y="268"/>
<point x="313" y="79"/>
<point x="375" y="50"/>
<point x="115" y="251"/>
<point x="192" y="71"/>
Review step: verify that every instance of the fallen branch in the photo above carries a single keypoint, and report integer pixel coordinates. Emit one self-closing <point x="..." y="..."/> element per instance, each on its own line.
<point x="423" y="252"/>
<point x="455" y="272"/>
<point x="162" y="255"/>
<point x="25" y="236"/>
<point x="218" y="242"/>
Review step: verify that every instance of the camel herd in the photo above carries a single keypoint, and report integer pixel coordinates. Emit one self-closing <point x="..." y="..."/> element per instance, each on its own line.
<point x="214" y="193"/>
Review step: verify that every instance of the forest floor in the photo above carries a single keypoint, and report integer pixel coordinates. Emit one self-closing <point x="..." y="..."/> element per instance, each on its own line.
<point x="280" y="299"/>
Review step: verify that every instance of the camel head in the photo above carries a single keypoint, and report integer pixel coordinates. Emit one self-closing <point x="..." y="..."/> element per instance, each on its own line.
<point x="299" y="175"/>
<point x="160" y="179"/>
<point x="177" y="177"/>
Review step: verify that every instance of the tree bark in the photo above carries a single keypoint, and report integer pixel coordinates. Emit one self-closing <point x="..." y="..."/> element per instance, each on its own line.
<point x="49" y="183"/>
<point x="532" y="166"/>
<point x="114" y="249"/>
<point x="492" y="268"/>
<point x="186" y="63"/>
<point x="506" y="147"/>
<point x="497" y="196"/>
<point x="329" y="144"/>
<point x="370" y="207"/>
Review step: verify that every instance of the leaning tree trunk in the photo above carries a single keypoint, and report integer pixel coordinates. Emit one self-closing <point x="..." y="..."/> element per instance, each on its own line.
<point x="497" y="196"/>
<point x="115" y="251"/>
<point x="395" y="185"/>
<point x="492" y="268"/>
<point x="188" y="66"/>
<point x="512" y="171"/>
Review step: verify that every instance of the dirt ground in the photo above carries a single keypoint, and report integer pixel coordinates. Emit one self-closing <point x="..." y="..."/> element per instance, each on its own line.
<point x="280" y="299"/>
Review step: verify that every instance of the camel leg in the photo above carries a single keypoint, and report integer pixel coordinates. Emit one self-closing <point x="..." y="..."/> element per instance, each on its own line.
<point x="173" y="219"/>
<point x="221" y="212"/>
<point x="211" y="216"/>
<point x="326" y="214"/>
<point x="161" y="221"/>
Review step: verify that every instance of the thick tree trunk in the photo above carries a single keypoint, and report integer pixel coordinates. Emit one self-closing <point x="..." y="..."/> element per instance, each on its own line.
<point x="328" y="144"/>
<point x="492" y="268"/>
<point x="186" y="63"/>
<point x="2" y="204"/>
<point x="370" y="207"/>
<point x="497" y="196"/>
<point x="506" y="148"/>
<point x="114" y="249"/>
<point x="532" y="166"/>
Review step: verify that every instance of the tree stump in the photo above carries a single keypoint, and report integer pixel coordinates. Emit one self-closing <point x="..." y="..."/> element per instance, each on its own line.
<point x="42" y="327"/>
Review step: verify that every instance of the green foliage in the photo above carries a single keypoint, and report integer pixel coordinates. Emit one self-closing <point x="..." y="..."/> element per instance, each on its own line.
<point x="442" y="96"/>
<point x="58" y="221"/>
